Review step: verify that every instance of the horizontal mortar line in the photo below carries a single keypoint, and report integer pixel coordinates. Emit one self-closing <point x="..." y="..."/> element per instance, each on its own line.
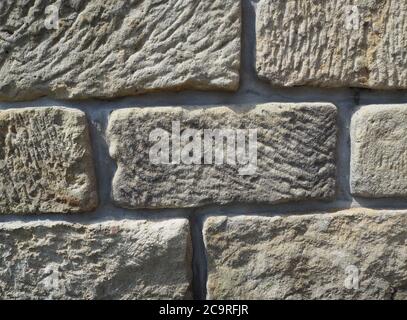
<point x="246" y="209"/>
<point x="95" y="107"/>
<point x="268" y="95"/>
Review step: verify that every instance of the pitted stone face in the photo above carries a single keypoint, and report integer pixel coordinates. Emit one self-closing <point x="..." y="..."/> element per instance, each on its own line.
<point x="110" y="260"/>
<point x="110" y="48"/>
<point x="335" y="43"/>
<point x="351" y="254"/>
<point x="46" y="163"/>
<point x="295" y="155"/>
<point x="379" y="151"/>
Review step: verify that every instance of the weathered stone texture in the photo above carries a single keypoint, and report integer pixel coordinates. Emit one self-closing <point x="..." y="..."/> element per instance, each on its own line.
<point x="116" y="48"/>
<point x="355" y="254"/>
<point x="379" y="151"/>
<point x="46" y="161"/>
<point x="109" y="260"/>
<point x="333" y="43"/>
<point x="295" y="156"/>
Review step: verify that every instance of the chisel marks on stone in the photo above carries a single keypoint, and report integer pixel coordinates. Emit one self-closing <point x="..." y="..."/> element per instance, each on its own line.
<point x="45" y="161"/>
<point x="333" y="43"/>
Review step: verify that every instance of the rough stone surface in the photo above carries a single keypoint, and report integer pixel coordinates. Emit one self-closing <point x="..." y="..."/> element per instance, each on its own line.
<point x="109" y="260"/>
<point x="117" y="47"/>
<point x="308" y="257"/>
<point x="333" y="43"/>
<point x="295" y="156"/>
<point x="46" y="161"/>
<point x="379" y="151"/>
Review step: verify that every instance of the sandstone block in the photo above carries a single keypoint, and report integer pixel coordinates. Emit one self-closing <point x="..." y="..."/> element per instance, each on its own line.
<point x="379" y="151"/>
<point x="332" y="43"/>
<point x="46" y="161"/>
<point x="294" y="158"/>
<point x="108" y="260"/>
<point x="355" y="254"/>
<point x="110" y="48"/>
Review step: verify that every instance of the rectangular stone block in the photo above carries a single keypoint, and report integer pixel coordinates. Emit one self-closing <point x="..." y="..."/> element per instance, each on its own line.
<point x="46" y="161"/>
<point x="110" y="48"/>
<point x="379" y="151"/>
<point x="108" y="260"/>
<point x="291" y="158"/>
<point x="336" y="43"/>
<point x="353" y="254"/>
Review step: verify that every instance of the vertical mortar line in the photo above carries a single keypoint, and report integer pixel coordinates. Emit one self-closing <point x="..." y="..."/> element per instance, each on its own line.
<point x="105" y="166"/>
<point x="345" y="112"/>
<point x="96" y="154"/>
<point x="199" y="261"/>
<point x="356" y="105"/>
<point x="248" y="46"/>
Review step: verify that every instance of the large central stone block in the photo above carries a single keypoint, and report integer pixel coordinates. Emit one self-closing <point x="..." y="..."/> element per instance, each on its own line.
<point x="294" y="155"/>
<point x="46" y="163"/>
<point x="108" y="260"/>
<point x="110" y="48"/>
<point x="335" y="43"/>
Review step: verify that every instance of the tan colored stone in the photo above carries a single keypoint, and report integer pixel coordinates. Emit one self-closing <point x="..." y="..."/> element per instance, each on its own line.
<point x="109" y="260"/>
<point x="353" y="254"/>
<point x="379" y="151"/>
<point x="335" y="43"/>
<point x="46" y="161"/>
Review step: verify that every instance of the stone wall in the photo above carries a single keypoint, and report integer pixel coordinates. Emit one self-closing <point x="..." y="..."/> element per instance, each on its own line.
<point x="86" y="214"/>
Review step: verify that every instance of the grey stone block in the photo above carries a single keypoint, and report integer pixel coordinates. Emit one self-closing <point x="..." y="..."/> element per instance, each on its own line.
<point x="295" y="156"/>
